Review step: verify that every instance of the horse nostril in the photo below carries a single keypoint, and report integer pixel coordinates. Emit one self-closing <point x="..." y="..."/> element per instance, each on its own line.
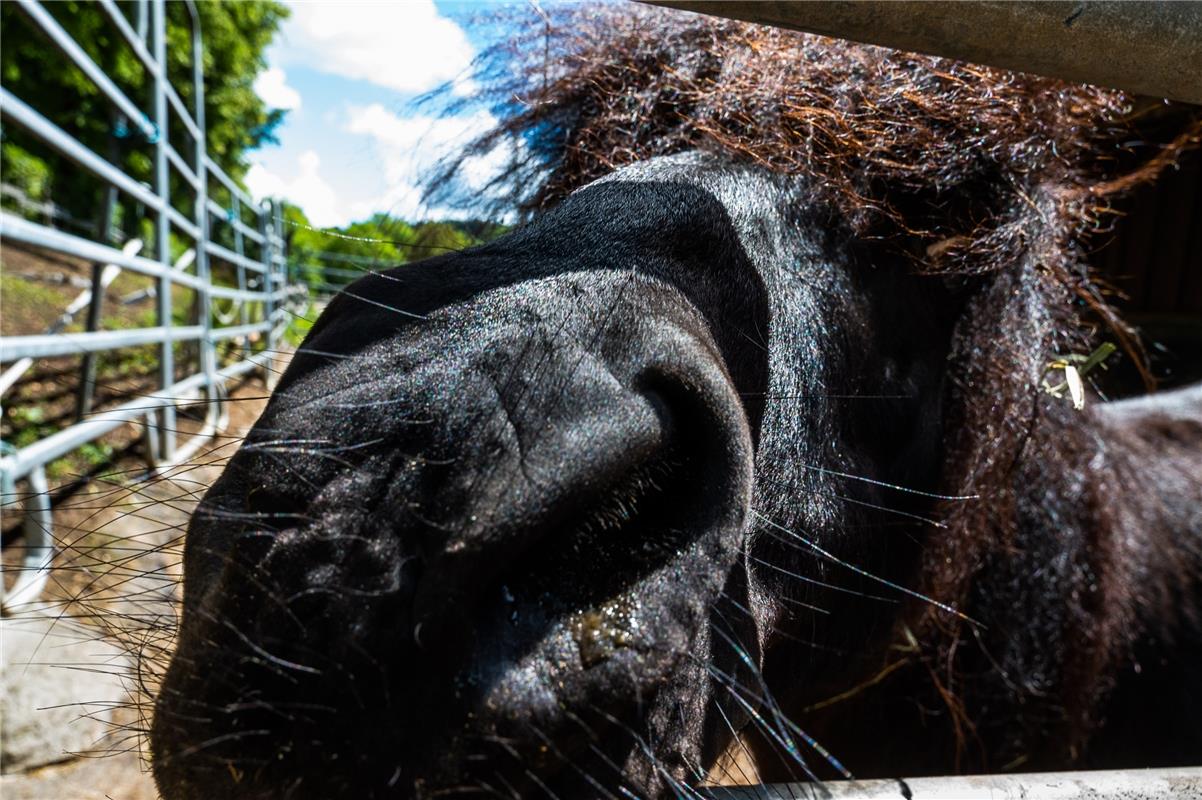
<point x="633" y="483"/>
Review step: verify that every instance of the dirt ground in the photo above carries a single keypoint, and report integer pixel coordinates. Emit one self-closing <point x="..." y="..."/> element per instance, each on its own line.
<point x="116" y="575"/>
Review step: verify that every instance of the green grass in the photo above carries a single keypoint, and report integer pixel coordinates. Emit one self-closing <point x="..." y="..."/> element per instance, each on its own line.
<point x="29" y="306"/>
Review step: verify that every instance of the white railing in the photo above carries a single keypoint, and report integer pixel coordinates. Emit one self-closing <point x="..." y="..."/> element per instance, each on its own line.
<point x="258" y="293"/>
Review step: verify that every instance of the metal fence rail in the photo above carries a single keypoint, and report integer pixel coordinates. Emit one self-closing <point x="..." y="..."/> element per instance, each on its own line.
<point x="325" y="281"/>
<point x="251" y="262"/>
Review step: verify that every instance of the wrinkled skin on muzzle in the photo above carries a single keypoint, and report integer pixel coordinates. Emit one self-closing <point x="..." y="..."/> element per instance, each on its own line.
<point x="473" y="542"/>
<point x="552" y="515"/>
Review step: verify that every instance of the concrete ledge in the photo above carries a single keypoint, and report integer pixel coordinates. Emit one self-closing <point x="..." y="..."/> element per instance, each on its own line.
<point x="59" y="690"/>
<point x="1128" y="784"/>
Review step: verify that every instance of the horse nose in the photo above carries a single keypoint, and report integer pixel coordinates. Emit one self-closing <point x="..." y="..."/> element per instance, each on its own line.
<point x="583" y="465"/>
<point x="405" y="526"/>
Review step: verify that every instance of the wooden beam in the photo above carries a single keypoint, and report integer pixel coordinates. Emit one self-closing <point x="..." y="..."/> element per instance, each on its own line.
<point x="1149" y="48"/>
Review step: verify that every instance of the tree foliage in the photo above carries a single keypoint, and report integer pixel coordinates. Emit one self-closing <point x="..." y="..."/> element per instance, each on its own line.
<point x="330" y="258"/>
<point x="235" y="37"/>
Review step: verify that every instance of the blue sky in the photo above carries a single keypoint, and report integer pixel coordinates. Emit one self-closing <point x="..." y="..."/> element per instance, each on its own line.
<point x="353" y="143"/>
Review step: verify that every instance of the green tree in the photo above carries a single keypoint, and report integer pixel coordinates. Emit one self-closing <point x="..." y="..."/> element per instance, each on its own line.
<point x="235" y="36"/>
<point x="328" y="259"/>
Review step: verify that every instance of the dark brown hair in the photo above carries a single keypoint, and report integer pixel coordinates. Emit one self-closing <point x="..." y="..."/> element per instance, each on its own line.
<point x="992" y="178"/>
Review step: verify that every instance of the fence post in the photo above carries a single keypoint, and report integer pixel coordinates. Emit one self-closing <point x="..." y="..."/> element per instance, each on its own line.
<point x="162" y="236"/>
<point x="214" y="409"/>
<point x="87" y="374"/>
<point x="38" y="529"/>
<point x="239" y="248"/>
<point x="277" y="213"/>
<point x="265" y="214"/>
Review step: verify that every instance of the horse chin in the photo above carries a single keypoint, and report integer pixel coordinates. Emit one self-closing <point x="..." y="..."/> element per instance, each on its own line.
<point x="572" y="710"/>
<point x="547" y="682"/>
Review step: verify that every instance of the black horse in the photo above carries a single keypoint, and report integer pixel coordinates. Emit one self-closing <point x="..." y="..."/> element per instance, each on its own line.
<point x="680" y="470"/>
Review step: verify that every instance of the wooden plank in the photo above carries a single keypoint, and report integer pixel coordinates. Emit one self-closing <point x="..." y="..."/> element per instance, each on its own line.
<point x="1147" y="48"/>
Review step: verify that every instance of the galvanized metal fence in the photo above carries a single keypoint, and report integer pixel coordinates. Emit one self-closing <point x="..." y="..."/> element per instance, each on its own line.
<point x="325" y="281"/>
<point x="247" y="273"/>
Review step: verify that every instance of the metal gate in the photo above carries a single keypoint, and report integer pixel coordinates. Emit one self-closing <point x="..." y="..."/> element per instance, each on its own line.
<point x="252" y="282"/>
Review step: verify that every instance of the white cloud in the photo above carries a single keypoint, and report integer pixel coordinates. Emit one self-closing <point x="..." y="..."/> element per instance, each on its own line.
<point x="403" y="147"/>
<point x="406" y="46"/>
<point x="272" y="87"/>
<point x="407" y="146"/>
<point x="306" y="189"/>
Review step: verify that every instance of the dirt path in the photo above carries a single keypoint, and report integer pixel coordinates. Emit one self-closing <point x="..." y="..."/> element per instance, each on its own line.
<point x="117" y="577"/>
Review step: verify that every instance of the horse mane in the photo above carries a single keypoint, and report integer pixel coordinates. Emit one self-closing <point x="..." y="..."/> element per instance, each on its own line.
<point x="992" y="179"/>
<point x="951" y="157"/>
